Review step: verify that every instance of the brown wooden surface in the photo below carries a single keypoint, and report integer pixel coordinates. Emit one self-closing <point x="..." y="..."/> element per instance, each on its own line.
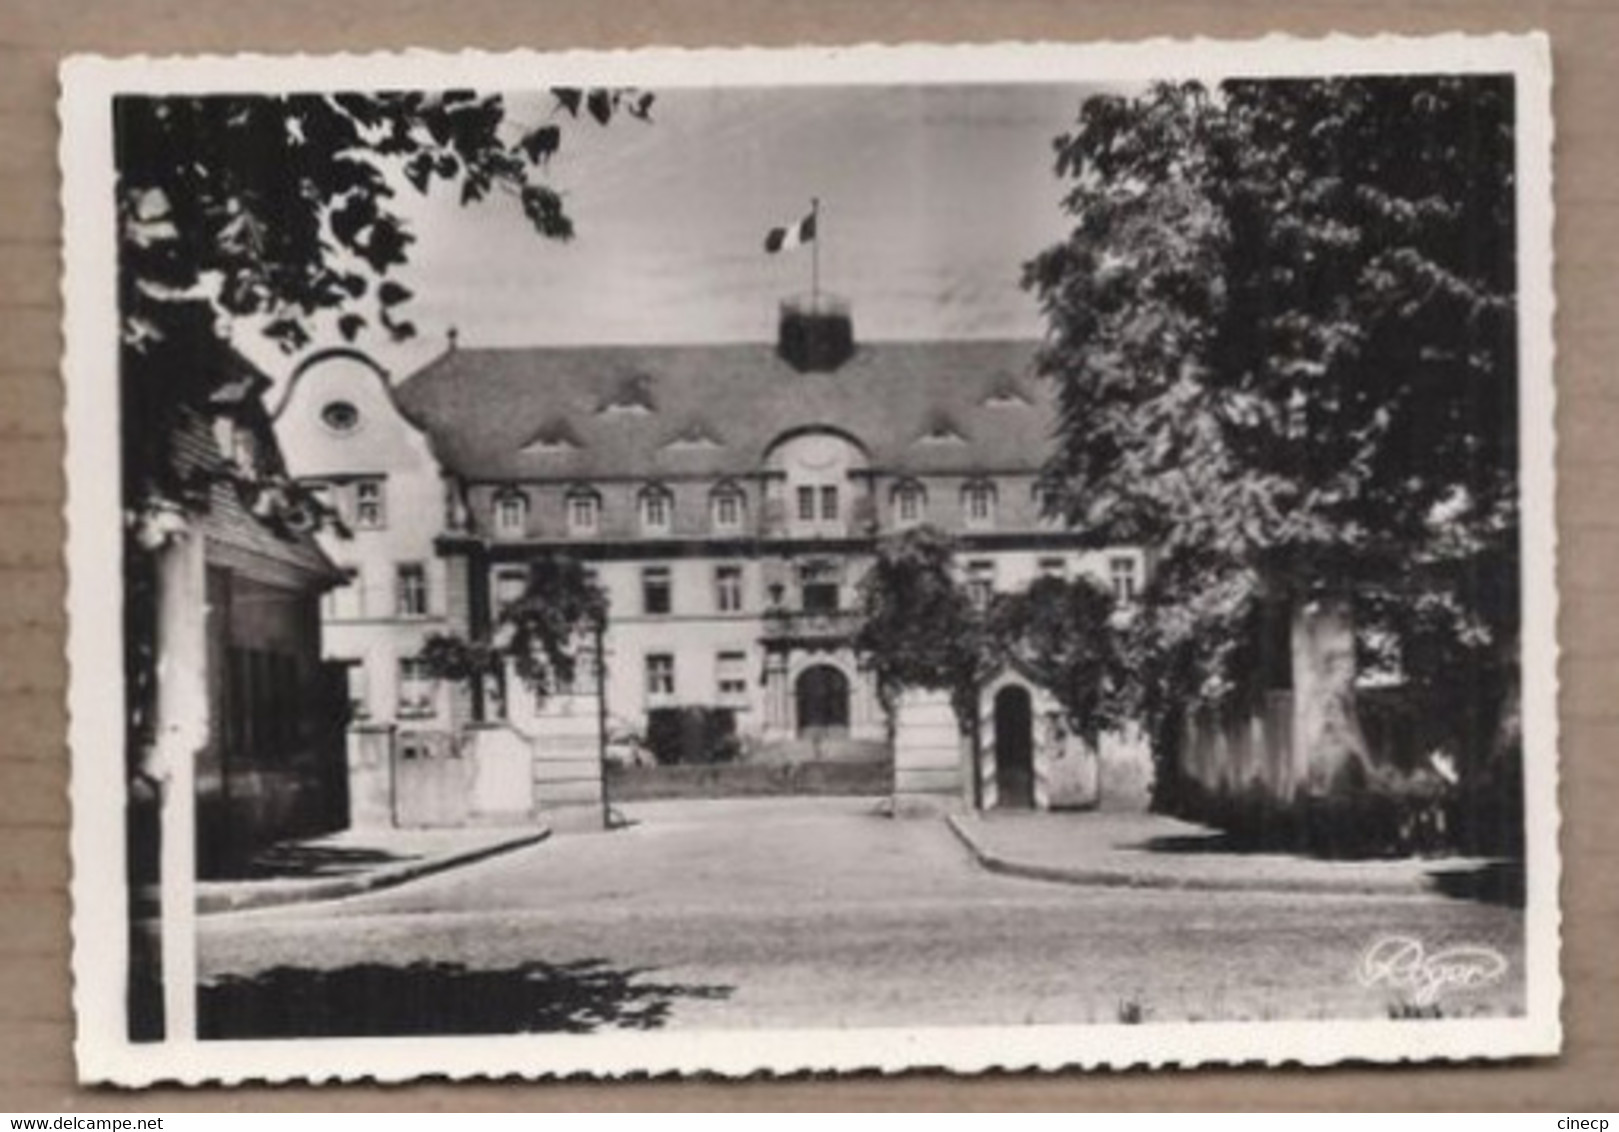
<point x="36" y="1070"/>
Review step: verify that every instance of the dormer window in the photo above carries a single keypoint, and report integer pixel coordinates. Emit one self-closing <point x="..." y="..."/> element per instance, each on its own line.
<point x="696" y="437"/>
<point x="657" y="508"/>
<point x="978" y="504"/>
<point x="942" y="429"/>
<point x="910" y="503"/>
<point x="631" y="397"/>
<point x="511" y="514"/>
<point x="727" y="506"/>
<point x="584" y="512"/>
<point x="1006" y="394"/>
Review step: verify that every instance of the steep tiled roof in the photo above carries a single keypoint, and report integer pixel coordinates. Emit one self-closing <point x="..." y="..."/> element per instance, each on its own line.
<point x="228" y="521"/>
<point x="649" y="411"/>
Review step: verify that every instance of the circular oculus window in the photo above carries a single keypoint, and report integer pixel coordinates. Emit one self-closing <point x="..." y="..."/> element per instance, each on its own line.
<point x="340" y="416"/>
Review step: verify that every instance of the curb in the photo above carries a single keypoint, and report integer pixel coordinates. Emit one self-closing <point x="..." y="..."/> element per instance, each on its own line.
<point x="994" y="862"/>
<point x="244" y="896"/>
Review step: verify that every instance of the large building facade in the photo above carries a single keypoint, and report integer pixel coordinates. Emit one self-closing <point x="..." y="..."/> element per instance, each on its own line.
<point x="726" y="498"/>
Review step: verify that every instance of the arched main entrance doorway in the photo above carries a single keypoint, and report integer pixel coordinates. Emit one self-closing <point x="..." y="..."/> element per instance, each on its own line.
<point x="1014" y="748"/>
<point x="822" y="694"/>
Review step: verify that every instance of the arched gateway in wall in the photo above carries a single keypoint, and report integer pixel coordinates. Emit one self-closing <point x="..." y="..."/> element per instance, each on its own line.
<point x="1014" y="747"/>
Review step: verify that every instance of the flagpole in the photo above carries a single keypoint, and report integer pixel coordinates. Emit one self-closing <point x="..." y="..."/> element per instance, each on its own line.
<point x="815" y="253"/>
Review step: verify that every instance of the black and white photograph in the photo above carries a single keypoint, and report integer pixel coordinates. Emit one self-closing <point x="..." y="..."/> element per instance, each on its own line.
<point x="879" y="559"/>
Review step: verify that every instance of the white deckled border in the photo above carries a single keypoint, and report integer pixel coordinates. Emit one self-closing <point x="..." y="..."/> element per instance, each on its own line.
<point x="94" y="602"/>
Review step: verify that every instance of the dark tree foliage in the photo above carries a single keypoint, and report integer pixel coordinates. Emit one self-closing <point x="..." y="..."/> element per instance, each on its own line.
<point x="918" y="627"/>
<point x="1283" y="333"/>
<point x="278" y="214"/>
<point x="541" y="633"/>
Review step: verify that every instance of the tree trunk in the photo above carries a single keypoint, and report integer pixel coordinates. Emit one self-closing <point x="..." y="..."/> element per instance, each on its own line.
<point x="181" y="731"/>
<point x="1329" y="748"/>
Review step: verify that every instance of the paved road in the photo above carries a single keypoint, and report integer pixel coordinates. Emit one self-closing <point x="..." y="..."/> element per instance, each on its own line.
<point x="803" y="912"/>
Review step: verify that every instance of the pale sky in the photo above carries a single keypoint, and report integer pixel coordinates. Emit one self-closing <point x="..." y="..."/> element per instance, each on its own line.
<point x="932" y="198"/>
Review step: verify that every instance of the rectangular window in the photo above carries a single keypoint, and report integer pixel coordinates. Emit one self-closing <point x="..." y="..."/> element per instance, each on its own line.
<point x="415" y="688"/>
<point x="370" y="506"/>
<point x="728" y="589"/>
<point x="660" y="674"/>
<point x="1053" y="568"/>
<point x="494" y="697"/>
<point x="806" y="504"/>
<point x="511" y="515"/>
<point x="829" y="504"/>
<point x="410" y="589"/>
<point x="979" y="502"/>
<point x="731" y="676"/>
<point x="728" y="510"/>
<point x="586" y="669"/>
<point x="511" y="583"/>
<point x="910" y="505"/>
<point x="981" y="582"/>
<point x="584" y="512"/>
<point x="657" y="595"/>
<point x="657" y="511"/>
<point x="818" y="586"/>
<point x="342" y="601"/>
<point x="1126" y="582"/>
<point x="359" y="688"/>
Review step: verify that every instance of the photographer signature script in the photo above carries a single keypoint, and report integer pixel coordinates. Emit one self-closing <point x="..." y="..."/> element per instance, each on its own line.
<point x="1403" y="963"/>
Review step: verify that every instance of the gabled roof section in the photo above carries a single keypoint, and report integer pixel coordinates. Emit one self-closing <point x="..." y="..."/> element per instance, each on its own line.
<point x="697" y="436"/>
<point x="1006" y="392"/>
<point x="226" y="514"/>
<point x="480" y="405"/>
<point x="942" y="429"/>
<point x="631" y="394"/>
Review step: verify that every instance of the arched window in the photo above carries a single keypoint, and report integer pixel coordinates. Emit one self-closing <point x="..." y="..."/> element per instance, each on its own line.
<point x="727" y="508"/>
<point x="978" y="504"/>
<point x="657" y="507"/>
<point x="511" y="514"/>
<point x="584" y="512"/>
<point x="910" y="503"/>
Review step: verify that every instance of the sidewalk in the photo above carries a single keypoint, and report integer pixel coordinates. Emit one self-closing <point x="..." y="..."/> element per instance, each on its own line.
<point x="1152" y="851"/>
<point x="356" y="861"/>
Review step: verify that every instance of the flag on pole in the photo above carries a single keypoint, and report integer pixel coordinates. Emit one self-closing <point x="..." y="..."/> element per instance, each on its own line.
<point x="792" y="236"/>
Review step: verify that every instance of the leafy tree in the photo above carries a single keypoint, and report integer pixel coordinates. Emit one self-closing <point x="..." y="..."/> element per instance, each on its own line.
<point x="1062" y="634"/>
<point x="279" y="214"/>
<point x="274" y="214"/>
<point x="918" y="626"/>
<point x="1282" y="330"/>
<point x="540" y="632"/>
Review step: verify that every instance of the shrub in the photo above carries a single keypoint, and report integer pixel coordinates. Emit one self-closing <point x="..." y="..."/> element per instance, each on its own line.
<point x="692" y="735"/>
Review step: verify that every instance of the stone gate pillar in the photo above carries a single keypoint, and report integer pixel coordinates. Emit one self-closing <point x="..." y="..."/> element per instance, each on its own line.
<point x="929" y="753"/>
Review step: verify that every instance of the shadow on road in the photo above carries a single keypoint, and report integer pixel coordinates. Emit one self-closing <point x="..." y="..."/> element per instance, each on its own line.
<point x="311" y="861"/>
<point x="1499" y="882"/>
<point x="371" y="1000"/>
<point x="1191" y="843"/>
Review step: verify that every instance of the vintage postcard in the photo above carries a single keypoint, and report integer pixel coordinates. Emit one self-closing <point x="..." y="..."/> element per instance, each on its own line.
<point x="1020" y="556"/>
